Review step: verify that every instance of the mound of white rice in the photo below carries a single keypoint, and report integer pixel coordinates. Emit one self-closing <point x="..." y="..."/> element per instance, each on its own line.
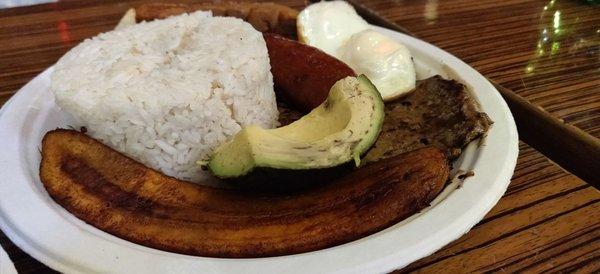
<point x="168" y="92"/>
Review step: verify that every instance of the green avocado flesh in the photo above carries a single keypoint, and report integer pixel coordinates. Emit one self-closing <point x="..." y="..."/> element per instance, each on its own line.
<point x="342" y="128"/>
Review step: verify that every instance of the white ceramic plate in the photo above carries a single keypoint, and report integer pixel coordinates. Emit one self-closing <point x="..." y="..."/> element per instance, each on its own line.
<point x="52" y="235"/>
<point x="6" y="265"/>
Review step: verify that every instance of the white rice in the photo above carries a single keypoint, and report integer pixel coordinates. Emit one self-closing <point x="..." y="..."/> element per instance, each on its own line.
<point x="168" y="92"/>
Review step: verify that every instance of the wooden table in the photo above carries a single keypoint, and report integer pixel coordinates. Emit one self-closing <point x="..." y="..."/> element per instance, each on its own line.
<point x="546" y="51"/>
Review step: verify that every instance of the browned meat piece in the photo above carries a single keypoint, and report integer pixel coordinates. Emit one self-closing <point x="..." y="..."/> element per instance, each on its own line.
<point x="303" y="75"/>
<point x="122" y="197"/>
<point x="265" y="17"/>
<point x="437" y="113"/>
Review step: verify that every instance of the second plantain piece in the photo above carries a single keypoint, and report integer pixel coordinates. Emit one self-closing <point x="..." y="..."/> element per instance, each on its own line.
<point x="120" y="196"/>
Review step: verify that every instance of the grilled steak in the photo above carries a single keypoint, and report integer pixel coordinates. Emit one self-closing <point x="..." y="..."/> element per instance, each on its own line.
<point x="438" y="113"/>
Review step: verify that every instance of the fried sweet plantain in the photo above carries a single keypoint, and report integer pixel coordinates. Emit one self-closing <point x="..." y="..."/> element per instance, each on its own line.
<point x="438" y="112"/>
<point x="265" y="17"/>
<point x="118" y="195"/>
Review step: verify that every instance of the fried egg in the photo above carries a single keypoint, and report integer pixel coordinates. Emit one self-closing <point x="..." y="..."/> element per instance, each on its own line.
<point x="326" y="25"/>
<point x="336" y="28"/>
<point x="385" y="62"/>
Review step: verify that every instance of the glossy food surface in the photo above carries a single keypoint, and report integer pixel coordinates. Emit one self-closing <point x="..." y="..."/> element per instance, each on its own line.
<point x="303" y="74"/>
<point x="120" y="196"/>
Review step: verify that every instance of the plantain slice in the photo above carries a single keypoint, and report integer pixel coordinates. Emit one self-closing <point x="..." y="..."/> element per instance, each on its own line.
<point x="120" y="196"/>
<point x="265" y="17"/>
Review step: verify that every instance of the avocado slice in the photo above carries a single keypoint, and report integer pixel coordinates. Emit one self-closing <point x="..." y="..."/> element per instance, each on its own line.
<point x="342" y="128"/>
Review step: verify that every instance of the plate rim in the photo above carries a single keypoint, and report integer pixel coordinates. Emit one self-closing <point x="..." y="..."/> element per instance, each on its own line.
<point x="388" y="263"/>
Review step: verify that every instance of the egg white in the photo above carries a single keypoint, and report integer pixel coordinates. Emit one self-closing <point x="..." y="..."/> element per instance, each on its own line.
<point x="336" y="28"/>
<point x="327" y="25"/>
<point x="387" y="63"/>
